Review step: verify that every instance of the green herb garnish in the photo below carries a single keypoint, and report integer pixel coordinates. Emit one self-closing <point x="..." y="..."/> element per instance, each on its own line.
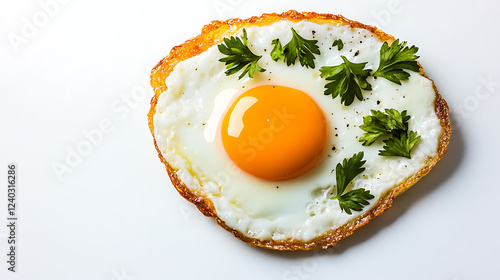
<point x="344" y="173"/>
<point x="277" y="52"/>
<point x="239" y="56"/>
<point x="391" y="122"/>
<point x="380" y="123"/>
<point x="400" y="146"/>
<point x="298" y="47"/>
<point x="347" y="80"/>
<point x="394" y="59"/>
<point x="339" y="44"/>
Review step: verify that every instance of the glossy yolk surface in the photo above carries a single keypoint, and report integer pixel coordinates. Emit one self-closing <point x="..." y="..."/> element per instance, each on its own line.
<point x="274" y="132"/>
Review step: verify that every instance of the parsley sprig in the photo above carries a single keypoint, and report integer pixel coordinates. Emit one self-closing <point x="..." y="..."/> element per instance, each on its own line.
<point x="354" y="199"/>
<point x="395" y="59"/>
<point x="347" y="80"/>
<point x="379" y="124"/>
<point x="391" y="122"/>
<point x="400" y="146"/>
<point x="277" y="51"/>
<point x="339" y="44"/>
<point x="239" y="56"/>
<point x="298" y="47"/>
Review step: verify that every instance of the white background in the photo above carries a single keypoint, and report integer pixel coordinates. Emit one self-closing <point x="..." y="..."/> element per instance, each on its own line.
<point x="74" y="71"/>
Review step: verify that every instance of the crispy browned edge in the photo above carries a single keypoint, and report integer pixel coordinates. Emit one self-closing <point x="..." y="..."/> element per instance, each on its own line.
<point x="212" y="34"/>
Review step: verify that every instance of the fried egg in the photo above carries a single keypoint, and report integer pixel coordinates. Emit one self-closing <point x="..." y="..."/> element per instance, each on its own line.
<point x="262" y="151"/>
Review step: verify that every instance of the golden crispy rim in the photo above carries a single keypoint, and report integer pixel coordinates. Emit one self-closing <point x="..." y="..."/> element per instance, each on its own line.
<point x="213" y="34"/>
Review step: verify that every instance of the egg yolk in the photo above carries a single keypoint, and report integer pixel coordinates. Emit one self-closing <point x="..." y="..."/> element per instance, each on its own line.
<point x="274" y="132"/>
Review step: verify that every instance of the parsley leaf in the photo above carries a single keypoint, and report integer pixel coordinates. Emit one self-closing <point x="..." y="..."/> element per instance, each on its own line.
<point x="344" y="173"/>
<point x="339" y="44"/>
<point x="380" y="123"/>
<point x="394" y="59"/>
<point x="277" y="52"/>
<point x="391" y="122"/>
<point x="349" y="169"/>
<point x="400" y="146"/>
<point x="354" y="200"/>
<point x="239" y="56"/>
<point x="347" y="80"/>
<point x="297" y="47"/>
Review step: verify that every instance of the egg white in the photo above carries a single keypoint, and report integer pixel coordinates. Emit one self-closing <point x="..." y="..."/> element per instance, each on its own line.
<point x="187" y="131"/>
